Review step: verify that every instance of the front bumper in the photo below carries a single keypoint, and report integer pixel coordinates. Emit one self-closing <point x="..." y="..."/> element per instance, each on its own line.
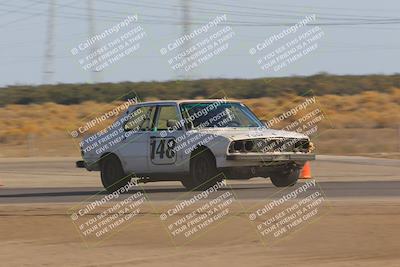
<point x="80" y="164"/>
<point x="257" y="157"/>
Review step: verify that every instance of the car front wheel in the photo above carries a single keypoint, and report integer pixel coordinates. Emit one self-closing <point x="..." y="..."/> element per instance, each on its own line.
<point x="285" y="178"/>
<point x="203" y="172"/>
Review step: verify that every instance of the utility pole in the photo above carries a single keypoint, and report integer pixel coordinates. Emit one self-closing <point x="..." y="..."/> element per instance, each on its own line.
<point x="48" y="63"/>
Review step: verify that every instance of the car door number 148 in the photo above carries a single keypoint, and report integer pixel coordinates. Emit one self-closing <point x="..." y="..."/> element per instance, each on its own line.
<point x="162" y="150"/>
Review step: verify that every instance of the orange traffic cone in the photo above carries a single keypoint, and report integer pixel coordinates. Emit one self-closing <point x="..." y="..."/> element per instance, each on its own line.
<point x="305" y="173"/>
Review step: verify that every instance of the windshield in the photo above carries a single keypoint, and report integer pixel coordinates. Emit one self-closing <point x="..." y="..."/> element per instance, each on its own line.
<point x="216" y="114"/>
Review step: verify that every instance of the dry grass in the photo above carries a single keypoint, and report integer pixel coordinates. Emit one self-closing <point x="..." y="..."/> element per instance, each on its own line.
<point x="366" y="110"/>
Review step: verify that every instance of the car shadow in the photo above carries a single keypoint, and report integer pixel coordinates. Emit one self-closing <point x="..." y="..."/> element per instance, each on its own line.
<point x="67" y="192"/>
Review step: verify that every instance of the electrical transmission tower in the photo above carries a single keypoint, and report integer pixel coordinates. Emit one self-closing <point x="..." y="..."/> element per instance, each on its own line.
<point x="48" y="63"/>
<point x="186" y="31"/>
<point x="95" y="75"/>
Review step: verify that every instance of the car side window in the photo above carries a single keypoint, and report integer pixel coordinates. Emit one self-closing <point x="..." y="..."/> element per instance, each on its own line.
<point x="140" y="119"/>
<point x="167" y="115"/>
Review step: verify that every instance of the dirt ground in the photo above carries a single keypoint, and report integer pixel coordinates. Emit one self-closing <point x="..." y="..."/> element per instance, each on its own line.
<point x="352" y="233"/>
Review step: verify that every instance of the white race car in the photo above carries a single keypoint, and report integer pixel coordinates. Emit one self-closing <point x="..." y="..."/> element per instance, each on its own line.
<point x="197" y="142"/>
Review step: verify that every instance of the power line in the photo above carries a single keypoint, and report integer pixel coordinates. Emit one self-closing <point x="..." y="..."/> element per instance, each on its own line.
<point x="258" y="8"/>
<point x="164" y="21"/>
<point x="17" y="9"/>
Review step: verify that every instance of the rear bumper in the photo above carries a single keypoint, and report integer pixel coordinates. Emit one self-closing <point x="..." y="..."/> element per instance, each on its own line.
<point x="271" y="157"/>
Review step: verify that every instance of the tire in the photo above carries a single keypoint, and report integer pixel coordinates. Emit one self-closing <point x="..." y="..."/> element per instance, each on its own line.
<point x="112" y="173"/>
<point x="203" y="171"/>
<point x="285" y="178"/>
<point x="187" y="183"/>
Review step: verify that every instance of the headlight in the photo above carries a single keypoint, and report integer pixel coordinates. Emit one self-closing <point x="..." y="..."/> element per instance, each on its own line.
<point x="248" y="145"/>
<point x="237" y="145"/>
<point x="241" y="146"/>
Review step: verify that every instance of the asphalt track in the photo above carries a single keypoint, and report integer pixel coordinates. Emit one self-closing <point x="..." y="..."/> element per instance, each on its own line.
<point x="354" y="177"/>
<point x="246" y="191"/>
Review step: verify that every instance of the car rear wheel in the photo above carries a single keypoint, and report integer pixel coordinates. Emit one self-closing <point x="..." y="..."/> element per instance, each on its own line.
<point x="203" y="172"/>
<point x="112" y="173"/>
<point x="285" y="178"/>
<point x="187" y="183"/>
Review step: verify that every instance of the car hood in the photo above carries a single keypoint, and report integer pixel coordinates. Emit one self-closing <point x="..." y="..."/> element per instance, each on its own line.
<point x="249" y="133"/>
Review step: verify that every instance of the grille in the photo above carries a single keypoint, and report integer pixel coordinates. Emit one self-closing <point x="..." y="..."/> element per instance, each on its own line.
<point x="268" y="145"/>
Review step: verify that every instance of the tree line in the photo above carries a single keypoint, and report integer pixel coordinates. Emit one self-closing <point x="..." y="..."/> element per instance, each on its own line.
<point x="320" y="84"/>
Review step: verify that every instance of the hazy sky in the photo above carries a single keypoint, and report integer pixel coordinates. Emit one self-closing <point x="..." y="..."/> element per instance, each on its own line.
<point x="360" y="37"/>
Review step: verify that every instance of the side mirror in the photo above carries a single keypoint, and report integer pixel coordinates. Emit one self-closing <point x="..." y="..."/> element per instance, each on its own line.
<point x="173" y="124"/>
